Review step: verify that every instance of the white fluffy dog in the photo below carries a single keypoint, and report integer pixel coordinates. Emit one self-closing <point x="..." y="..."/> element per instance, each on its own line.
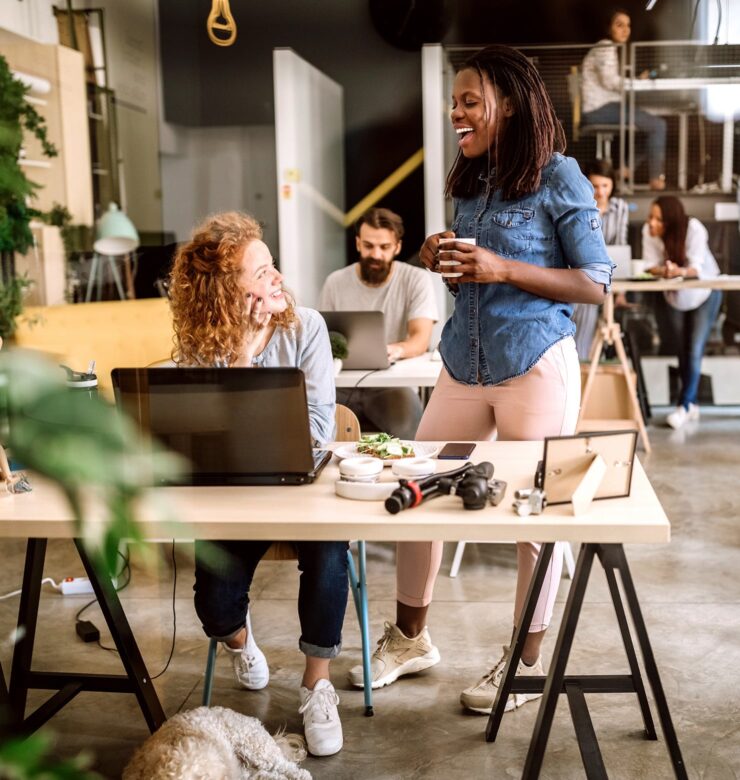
<point x="215" y="743"/>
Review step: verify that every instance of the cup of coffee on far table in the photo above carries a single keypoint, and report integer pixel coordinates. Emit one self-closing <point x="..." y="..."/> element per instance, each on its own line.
<point x="446" y="266"/>
<point x="638" y="267"/>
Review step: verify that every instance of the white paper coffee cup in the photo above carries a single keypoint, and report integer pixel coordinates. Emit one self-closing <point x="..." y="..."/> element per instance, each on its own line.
<point x="442" y="263"/>
<point x="638" y="267"/>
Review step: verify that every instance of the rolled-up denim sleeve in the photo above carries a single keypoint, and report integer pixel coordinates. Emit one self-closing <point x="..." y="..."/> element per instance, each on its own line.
<point x="570" y="203"/>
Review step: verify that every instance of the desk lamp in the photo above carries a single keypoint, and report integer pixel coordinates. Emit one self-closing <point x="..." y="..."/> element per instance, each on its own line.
<point x="116" y="236"/>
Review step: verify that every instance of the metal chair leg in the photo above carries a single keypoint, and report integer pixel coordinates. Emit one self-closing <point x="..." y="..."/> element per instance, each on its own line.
<point x="210" y="671"/>
<point x="358" y="586"/>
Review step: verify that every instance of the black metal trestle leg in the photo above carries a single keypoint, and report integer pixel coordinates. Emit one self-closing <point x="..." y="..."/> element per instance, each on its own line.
<point x="126" y="645"/>
<point x="517" y="645"/>
<point x="651" y="668"/>
<point x="28" y="611"/>
<point x="554" y="684"/>
<point x="68" y="685"/>
<point x="606" y="556"/>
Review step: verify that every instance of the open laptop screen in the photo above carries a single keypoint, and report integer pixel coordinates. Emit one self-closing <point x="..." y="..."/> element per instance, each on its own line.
<point x="234" y="425"/>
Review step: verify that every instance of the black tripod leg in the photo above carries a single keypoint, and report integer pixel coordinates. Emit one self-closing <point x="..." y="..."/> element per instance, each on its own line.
<point x="629" y="648"/>
<point x="554" y="684"/>
<point x="125" y="643"/>
<point x="651" y="668"/>
<point x="28" y="612"/>
<point x="517" y="645"/>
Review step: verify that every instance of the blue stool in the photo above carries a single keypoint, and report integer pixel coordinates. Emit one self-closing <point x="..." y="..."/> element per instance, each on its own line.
<point x="359" y="594"/>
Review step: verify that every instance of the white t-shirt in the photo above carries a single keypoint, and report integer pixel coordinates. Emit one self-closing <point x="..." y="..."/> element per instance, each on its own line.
<point x="698" y="256"/>
<point x="407" y="295"/>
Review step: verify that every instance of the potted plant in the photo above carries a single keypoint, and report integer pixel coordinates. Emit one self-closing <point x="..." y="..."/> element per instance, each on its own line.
<point x="16" y="114"/>
<point x="339" y="350"/>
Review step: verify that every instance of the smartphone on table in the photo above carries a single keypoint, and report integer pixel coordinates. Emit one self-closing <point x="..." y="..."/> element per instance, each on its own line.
<point x="456" y="450"/>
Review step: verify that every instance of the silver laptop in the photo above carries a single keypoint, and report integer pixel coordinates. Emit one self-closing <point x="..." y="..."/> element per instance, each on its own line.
<point x="235" y="426"/>
<point x="621" y="256"/>
<point x="365" y="334"/>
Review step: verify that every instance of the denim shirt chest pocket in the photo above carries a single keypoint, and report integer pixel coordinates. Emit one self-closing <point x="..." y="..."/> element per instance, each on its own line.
<point x="508" y="232"/>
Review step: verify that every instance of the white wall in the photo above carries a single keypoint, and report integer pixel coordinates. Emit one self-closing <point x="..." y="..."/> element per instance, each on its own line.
<point x="211" y="169"/>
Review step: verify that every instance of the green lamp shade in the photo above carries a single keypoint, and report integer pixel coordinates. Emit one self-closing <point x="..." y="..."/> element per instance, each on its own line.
<point x="116" y="234"/>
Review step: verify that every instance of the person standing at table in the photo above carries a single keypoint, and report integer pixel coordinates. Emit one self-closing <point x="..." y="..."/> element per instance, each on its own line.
<point x="405" y="295"/>
<point x="614" y="213"/>
<point x="510" y="363"/>
<point x="601" y="95"/>
<point x="678" y="246"/>
<point x="230" y="308"/>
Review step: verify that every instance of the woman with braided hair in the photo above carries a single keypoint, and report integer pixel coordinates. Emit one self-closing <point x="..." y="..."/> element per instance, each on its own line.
<point x="510" y="365"/>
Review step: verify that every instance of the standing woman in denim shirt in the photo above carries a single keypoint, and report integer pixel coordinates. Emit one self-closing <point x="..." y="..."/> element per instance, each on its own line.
<point x="510" y="363"/>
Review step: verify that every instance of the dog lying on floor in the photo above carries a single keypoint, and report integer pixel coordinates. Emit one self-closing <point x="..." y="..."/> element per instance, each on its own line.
<point x="215" y="743"/>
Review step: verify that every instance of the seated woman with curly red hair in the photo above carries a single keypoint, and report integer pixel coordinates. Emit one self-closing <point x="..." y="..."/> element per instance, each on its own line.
<point x="230" y="309"/>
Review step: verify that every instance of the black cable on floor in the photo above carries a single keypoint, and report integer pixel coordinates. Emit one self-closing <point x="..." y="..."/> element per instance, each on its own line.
<point x="174" y="612"/>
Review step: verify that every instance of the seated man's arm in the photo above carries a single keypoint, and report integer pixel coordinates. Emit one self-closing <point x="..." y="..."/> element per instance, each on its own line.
<point x="415" y="343"/>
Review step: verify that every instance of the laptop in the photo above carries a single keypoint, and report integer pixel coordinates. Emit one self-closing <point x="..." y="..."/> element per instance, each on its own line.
<point x="621" y="256"/>
<point x="235" y="426"/>
<point x="365" y="334"/>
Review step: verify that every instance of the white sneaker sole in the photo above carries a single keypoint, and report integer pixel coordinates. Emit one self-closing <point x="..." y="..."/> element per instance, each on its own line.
<point x="324" y="750"/>
<point x="409" y="667"/>
<point x="515" y="700"/>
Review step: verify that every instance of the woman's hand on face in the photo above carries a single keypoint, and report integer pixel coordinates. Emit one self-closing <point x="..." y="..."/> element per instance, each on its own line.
<point x="430" y="248"/>
<point x="258" y="321"/>
<point x="476" y="264"/>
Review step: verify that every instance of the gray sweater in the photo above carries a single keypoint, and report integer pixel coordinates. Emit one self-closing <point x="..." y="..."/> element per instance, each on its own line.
<point x="306" y="347"/>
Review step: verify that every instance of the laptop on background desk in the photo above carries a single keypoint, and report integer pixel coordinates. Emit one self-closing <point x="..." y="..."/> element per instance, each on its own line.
<point x="621" y="256"/>
<point x="365" y="334"/>
<point x="235" y="426"/>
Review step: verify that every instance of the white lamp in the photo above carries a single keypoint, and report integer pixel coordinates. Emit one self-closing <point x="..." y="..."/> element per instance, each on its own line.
<point x="116" y="236"/>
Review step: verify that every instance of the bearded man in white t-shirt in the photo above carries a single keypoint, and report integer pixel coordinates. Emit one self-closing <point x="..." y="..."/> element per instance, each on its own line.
<point x="405" y="295"/>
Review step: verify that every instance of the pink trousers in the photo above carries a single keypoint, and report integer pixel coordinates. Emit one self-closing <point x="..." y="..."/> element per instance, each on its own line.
<point x="543" y="402"/>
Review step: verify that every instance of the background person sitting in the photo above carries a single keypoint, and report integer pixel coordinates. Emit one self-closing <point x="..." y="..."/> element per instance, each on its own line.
<point x="405" y="295"/>
<point x="614" y="213"/>
<point x="678" y="246"/>
<point x="230" y="309"/>
<point x="601" y="95"/>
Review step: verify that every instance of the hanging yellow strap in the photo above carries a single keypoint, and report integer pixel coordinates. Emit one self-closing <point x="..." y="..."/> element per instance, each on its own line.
<point x="220" y="10"/>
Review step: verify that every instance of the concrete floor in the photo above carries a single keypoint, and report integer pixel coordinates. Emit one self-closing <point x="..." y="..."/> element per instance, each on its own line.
<point x="689" y="591"/>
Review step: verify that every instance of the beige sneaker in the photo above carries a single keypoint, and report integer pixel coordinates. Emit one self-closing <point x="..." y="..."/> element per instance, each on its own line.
<point x="481" y="696"/>
<point x="397" y="655"/>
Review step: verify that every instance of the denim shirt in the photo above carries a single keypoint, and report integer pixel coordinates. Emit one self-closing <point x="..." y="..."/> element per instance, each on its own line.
<point x="497" y="331"/>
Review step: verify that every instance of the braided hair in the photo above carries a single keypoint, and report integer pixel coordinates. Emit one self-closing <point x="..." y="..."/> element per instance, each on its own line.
<point x="524" y="142"/>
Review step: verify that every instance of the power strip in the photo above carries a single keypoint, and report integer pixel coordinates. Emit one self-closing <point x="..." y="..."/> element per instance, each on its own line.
<point x="76" y="586"/>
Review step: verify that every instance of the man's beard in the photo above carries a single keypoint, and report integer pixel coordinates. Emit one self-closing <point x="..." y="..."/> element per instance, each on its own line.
<point x="372" y="273"/>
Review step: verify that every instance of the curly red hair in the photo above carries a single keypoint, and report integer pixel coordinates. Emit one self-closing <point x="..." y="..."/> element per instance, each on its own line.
<point x="208" y="302"/>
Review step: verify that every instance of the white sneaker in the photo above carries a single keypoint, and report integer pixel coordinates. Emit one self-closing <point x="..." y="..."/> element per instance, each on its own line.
<point x="694" y="412"/>
<point x="395" y="656"/>
<point x="249" y="662"/>
<point x="678" y="417"/>
<point x="321" y="723"/>
<point x="481" y="696"/>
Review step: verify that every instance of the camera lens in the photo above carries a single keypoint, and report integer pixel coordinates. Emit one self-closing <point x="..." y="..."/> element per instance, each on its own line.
<point x="399" y="499"/>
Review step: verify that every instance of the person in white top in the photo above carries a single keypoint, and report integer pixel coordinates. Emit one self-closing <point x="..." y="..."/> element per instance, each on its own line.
<point x="678" y="246"/>
<point x="405" y="295"/>
<point x="601" y="93"/>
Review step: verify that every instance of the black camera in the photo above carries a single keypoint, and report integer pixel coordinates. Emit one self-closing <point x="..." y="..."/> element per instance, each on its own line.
<point x="473" y="483"/>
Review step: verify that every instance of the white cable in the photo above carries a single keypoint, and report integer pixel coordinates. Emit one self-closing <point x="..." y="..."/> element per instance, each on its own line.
<point x="56" y="586"/>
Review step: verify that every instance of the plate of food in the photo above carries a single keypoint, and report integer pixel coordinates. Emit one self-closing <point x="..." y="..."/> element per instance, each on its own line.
<point x="386" y="447"/>
<point x="646" y="277"/>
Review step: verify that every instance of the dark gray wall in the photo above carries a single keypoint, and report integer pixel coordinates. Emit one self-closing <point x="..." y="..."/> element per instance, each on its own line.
<point x="206" y="85"/>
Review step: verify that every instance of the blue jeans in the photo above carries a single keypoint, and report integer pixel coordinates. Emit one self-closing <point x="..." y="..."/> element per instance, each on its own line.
<point x="653" y="126"/>
<point x="691" y="331"/>
<point x="223" y="575"/>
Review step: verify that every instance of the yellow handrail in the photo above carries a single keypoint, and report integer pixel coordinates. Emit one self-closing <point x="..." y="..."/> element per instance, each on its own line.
<point x="220" y="10"/>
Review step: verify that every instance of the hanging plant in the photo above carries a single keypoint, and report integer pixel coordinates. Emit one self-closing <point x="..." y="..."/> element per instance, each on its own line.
<point x="17" y="114"/>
